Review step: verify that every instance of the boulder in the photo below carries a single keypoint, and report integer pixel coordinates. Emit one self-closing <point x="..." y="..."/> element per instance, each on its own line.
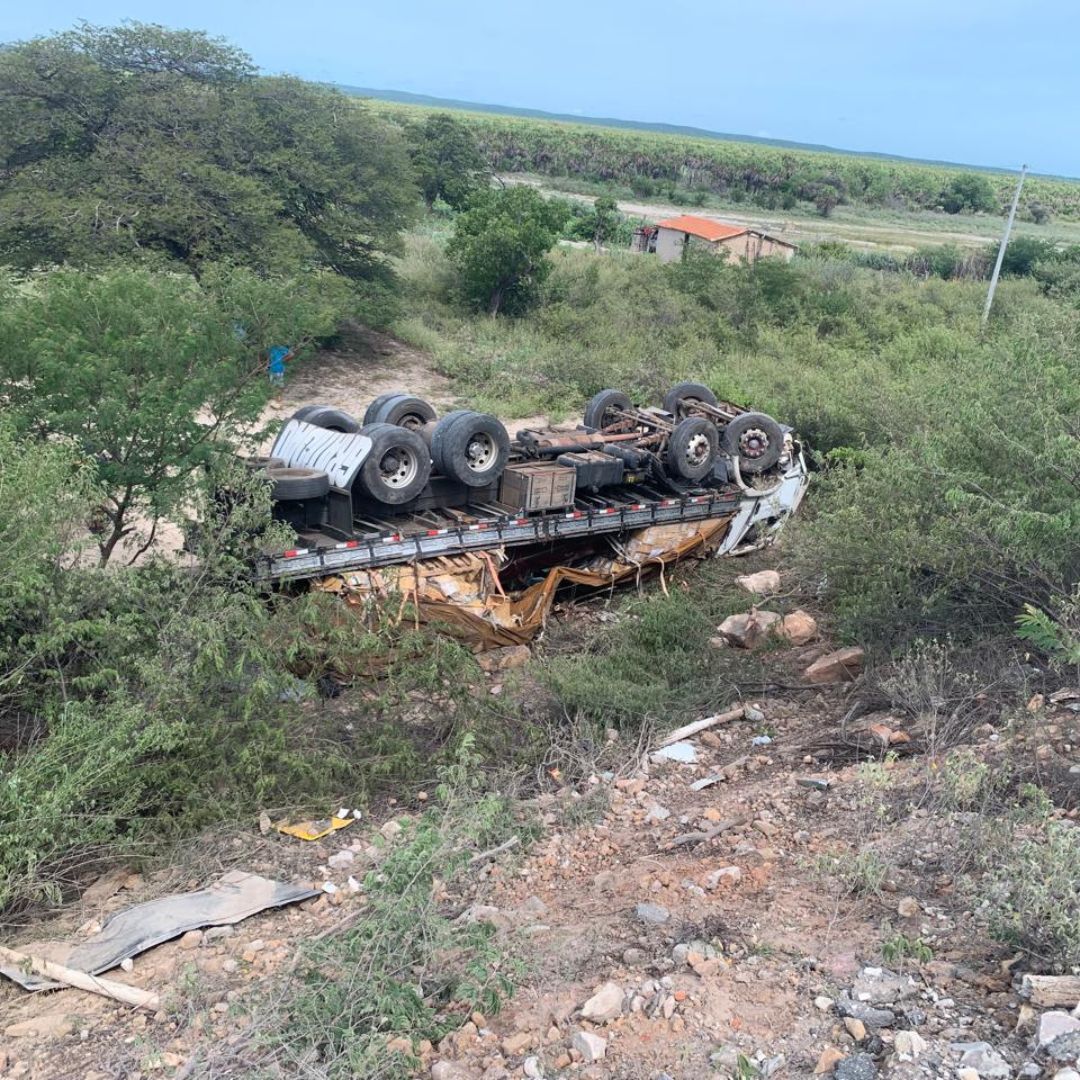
<point x="748" y="629"/>
<point x="798" y="627"/>
<point x="763" y="583"/>
<point x="836" y="667"/>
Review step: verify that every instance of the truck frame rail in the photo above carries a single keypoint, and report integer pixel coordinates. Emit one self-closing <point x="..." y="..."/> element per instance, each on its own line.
<point x="754" y="516"/>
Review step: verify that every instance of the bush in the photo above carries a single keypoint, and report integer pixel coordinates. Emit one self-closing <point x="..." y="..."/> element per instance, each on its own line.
<point x="1034" y="903"/>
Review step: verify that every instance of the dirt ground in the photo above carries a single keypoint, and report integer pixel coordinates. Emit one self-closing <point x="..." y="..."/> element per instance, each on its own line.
<point x="735" y="953"/>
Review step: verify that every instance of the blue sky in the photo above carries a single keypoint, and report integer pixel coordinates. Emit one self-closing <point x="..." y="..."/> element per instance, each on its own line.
<point x="992" y="82"/>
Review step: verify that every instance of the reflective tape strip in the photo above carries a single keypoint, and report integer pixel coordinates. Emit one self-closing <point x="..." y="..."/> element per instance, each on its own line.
<point x="294" y="552"/>
<point x="393" y="538"/>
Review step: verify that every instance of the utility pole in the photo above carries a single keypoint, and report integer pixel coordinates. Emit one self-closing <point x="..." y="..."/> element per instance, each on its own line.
<point x="1001" y="250"/>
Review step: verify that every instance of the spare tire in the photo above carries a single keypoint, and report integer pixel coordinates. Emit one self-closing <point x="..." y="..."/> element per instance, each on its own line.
<point x="398" y="466"/>
<point x="601" y="406"/>
<point x="332" y="419"/>
<point x="692" y="448"/>
<point x="472" y="448"/>
<point x="756" y="439"/>
<point x="401" y="409"/>
<point x="687" y="392"/>
<point x="290" y="484"/>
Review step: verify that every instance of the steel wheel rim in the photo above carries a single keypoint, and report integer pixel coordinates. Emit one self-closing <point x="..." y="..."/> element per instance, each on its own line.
<point x="481" y="452"/>
<point x="753" y="443"/>
<point x="398" y="467"/>
<point x="697" y="450"/>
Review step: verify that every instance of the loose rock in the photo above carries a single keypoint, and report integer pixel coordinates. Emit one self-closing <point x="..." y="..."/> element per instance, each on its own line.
<point x="836" y="667"/>
<point x="591" y="1047"/>
<point x="656" y="914"/>
<point x="763" y="583"/>
<point x="798" y="628"/>
<point x="856" y="1067"/>
<point x="605" y="1004"/>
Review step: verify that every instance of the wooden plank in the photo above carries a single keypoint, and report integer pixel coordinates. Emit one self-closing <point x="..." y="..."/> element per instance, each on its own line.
<point x="94" y="984"/>
<point x="701" y="725"/>
<point x="1051" y="990"/>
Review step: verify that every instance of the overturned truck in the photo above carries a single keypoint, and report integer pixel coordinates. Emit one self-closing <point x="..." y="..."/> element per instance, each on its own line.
<point x="404" y="485"/>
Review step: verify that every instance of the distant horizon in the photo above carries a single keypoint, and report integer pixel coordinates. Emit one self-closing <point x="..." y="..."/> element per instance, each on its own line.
<point x="991" y="83"/>
<point x="408" y="97"/>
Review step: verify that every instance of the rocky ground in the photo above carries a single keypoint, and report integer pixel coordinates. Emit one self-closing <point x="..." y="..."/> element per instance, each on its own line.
<point x="771" y="896"/>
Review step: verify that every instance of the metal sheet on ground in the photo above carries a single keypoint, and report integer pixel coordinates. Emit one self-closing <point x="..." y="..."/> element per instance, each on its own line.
<point x="233" y="897"/>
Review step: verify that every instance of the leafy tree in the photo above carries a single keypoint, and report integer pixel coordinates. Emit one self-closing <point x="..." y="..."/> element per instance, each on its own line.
<point x="148" y="375"/>
<point x="605" y="221"/>
<point x="500" y="246"/>
<point x="162" y="145"/>
<point x="447" y="158"/>
<point x="969" y="191"/>
<point x="1022" y="253"/>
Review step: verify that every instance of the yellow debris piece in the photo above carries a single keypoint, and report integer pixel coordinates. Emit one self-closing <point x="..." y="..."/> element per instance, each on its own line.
<point x="314" y="830"/>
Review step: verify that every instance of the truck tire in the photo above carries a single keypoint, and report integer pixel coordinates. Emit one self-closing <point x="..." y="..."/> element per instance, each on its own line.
<point x="692" y="448"/>
<point x="398" y="466"/>
<point x="402" y="410"/>
<point x="438" y="433"/>
<point x="325" y="416"/>
<point x="687" y="392"/>
<point x="259" y="462"/>
<point x="371" y="412"/>
<point x="472" y="449"/>
<point x="305" y="411"/>
<point x="290" y="484"/>
<point x="601" y="406"/>
<point x="756" y="439"/>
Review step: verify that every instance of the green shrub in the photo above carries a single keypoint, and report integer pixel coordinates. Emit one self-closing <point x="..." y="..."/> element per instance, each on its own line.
<point x="1034" y="902"/>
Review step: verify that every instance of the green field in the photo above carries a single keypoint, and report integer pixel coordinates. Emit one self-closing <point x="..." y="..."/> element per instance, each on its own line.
<point x="753" y="178"/>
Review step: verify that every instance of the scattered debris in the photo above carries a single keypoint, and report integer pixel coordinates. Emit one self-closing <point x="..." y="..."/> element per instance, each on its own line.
<point x="698" y="726"/>
<point x="685" y="753"/>
<point x="59" y="975"/>
<point x="233" y="897"/>
<point x="316" y="830"/>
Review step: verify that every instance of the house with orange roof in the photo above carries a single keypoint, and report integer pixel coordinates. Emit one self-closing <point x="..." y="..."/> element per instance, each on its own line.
<point x="675" y="235"/>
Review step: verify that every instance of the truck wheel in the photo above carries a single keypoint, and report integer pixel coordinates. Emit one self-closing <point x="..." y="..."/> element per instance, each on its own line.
<point x="756" y="439"/>
<point x="691" y="450"/>
<point x="603" y="407"/>
<point x="688" y="393"/>
<point x="398" y="465"/>
<point x="472" y="449"/>
<point x="290" y="484"/>
<point x="332" y="419"/>
<point x="402" y="410"/>
<point x="371" y="412"/>
<point x="305" y="411"/>
<point x="259" y="462"/>
<point x="438" y="433"/>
